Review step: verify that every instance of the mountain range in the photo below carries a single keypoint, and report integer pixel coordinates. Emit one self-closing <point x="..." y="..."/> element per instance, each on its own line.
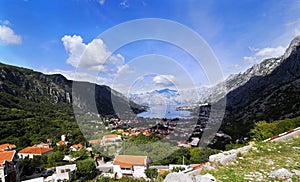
<point x="266" y="91"/>
<point x="269" y="97"/>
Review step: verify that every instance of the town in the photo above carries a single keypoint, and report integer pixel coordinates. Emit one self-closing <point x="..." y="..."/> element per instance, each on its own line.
<point x="109" y="151"/>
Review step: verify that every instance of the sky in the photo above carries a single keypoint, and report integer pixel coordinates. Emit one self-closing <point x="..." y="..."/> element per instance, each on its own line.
<point x="81" y="39"/>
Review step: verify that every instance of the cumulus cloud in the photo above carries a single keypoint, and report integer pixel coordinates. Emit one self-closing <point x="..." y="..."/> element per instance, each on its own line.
<point x="8" y="36"/>
<point x="164" y="80"/>
<point x="267" y="52"/>
<point x="93" y="56"/>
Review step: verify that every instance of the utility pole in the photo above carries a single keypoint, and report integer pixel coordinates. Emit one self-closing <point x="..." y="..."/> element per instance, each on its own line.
<point x="183" y="160"/>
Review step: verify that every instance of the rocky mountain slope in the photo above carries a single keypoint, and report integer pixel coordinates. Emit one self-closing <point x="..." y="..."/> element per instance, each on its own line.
<point x="236" y="80"/>
<point x="26" y="89"/>
<point x="266" y="97"/>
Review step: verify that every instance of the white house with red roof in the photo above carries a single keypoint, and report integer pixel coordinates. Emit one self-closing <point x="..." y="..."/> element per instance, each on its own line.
<point x="34" y="151"/>
<point x="7" y="169"/>
<point x="131" y="165"/>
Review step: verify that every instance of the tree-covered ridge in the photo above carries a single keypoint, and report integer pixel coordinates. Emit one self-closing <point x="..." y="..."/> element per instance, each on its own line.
<point x="35" y="107"/>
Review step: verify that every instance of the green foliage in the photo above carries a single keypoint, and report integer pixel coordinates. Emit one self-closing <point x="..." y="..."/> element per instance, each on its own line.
<point x="178" y="169"/>
<point x="28" y="165"/>
<point x="151" y="173"/>
<point x="85" y="167"/>
<point x="81" y="153"/>
<point x="200" y="155"/>
<point x="264" y="130"/>
<point x="189" y="155"/>
<point x="161" y="177"/>
<point x="55" y="157"/>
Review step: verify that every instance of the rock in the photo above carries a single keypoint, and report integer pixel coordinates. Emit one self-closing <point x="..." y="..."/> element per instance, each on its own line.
<point x="208" y="167"/>
<point x="178" y="177"/>
<point x="296" y="172"/>
<point x="204" y="178"/>
<point x="228" y="156"/>
<point x="280" y="173"/>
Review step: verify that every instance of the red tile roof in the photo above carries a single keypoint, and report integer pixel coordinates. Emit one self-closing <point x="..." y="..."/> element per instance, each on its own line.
<point x="110" y="136"/>
<point x="7" y="156"/>
<point x="35" y="150"/>
<point x="61" y="143"/>
<point x="77" y="146"/>
<point x="97" y="141"/>
<point x="127" y="161"/>
<point x="6" y="145"/>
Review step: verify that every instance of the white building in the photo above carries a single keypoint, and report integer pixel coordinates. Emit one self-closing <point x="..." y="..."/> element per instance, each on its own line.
<point x="33" y="151"/>
<point x="131" y="165"/>
<point x="7" y="168"/>
<point x="110" y="139"/>
<point x="64" y="172"/>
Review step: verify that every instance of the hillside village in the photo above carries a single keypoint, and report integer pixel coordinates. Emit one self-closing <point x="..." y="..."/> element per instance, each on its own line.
<point x="86" y="163"/>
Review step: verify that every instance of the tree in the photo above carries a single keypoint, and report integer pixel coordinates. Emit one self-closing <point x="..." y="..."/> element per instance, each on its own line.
<point x="55" y="157"/>
<point x="151" y="173"/>
<point x="85" y="167"/>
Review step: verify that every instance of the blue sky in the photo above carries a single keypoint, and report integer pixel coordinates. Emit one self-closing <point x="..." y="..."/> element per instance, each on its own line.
<point x="49" y="36"/>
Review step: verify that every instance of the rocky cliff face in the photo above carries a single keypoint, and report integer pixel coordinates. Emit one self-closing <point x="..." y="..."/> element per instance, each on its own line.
<point x="236" y="80"/>
<point x="269" y="96"/>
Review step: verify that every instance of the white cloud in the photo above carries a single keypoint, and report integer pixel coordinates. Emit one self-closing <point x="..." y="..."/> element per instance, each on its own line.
<point x="296" y="32"/>
<point x="5" y="22"/>
<point x="8" y="36"/>
<point x="164" y="80"/>
<point x="93" y="56"/>
<point x="260" y="54"/>
<point x="271" y="52"/>
<point x="102" y="2"/>
<point x="124" y="4"/>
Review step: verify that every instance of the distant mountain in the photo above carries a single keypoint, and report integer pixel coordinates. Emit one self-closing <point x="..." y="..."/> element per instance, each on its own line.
<point x="269" y="96"/>
<point x="170" y="97"/>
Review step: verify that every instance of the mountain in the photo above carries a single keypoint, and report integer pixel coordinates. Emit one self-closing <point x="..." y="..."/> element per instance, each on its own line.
<point x="236" y="80"/>
<point x="170" y="97"/>
<point x="34" y="105"/>
<point x="20" y="85"/>
<point x="269" y="97"/>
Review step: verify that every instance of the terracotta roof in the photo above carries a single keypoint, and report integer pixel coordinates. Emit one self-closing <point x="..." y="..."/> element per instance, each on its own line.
<point x="77" y="146"/>
<point x="4" y="146"/>
<point x="7" y="156"/>
<point x="35" y="150"/>
<point x="61" y="143"/>
<point x="97" y="141"/>
<point x="127" y="161"/>
<point x="111" y="136"/>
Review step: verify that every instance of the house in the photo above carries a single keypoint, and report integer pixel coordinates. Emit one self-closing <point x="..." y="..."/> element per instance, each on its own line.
<point x="110" y="139"/>
<point x="43" y="145"/>
<point x="7" y="165"/>
<point x="34" y="151"/>
<point x="96" y="141"/>
<point x="7" y="146"/>
<point x="131" y="165"/>
<point x="76" y="147"/>
<point x="62" y="141"/>
<point x="64" y="172"/>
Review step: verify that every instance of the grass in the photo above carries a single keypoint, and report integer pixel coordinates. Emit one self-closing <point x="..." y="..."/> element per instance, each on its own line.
<point x="260" y="161"/>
